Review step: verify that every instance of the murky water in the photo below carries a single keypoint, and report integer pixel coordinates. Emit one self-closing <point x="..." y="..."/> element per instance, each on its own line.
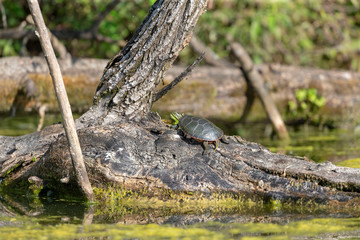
<point x="23" y="217"/>
<point x="319" y="145"/>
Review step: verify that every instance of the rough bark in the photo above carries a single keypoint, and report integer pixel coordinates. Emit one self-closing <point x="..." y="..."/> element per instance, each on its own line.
<point x="130" y="78"/>
<point x="150" y="155"/>
<point x="125" y="144"/>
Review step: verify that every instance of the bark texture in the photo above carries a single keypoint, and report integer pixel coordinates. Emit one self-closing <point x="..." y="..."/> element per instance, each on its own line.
<point x="152" y="156"/>
<point x="130" y="78"/>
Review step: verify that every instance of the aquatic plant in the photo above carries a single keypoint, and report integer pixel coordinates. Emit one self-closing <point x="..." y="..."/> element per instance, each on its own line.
<point x="306" y="105"/>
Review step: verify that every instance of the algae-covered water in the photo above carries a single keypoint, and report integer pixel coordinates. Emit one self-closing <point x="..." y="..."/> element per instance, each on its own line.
<point x="27" y="217"/>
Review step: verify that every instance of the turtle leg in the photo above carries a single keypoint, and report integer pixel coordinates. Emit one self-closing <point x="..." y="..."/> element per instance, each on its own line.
<point x="206" y="148"/>
<point x="216" y="145"/>
<point x="225" y="139"/>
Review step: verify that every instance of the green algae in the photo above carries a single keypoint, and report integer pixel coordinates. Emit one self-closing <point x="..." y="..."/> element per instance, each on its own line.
<point x="113" y="231"/>
<point x="292" y="148"/>
<point x="308" y="228"/>
<point x="30" y="228"/>
<point x="353" y="163"/>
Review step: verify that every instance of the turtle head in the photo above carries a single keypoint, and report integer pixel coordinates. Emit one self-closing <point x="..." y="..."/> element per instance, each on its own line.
<point x="175" y="116"/>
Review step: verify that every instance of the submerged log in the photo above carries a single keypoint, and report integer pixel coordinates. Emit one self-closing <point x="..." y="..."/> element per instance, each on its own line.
<point x="125" y="144"/>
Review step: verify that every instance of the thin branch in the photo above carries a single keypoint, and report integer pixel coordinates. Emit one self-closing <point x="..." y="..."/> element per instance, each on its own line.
<point x="64" y="105"/>
<point x="90" y="34"/>
<point x="178" y="79"/>
<point x="19" y="33"/>
<point x="256" y="81"/>
<point x="3" y="14"/>
<point x="57" y="45"/>
<point x="210" y="57"/>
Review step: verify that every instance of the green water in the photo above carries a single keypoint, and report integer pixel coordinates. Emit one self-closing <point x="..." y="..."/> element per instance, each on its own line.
<point x="22" y="217"/>
<point x="333" y="145"/>
<point x="326" y="228"/>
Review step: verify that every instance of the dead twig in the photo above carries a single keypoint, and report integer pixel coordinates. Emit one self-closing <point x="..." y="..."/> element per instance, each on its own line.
<point x="57" y="45"/>
<point x="178" y="79"/>
<point x="210" y="57"/>
<point x="64" y="34"/>
<point x="99" y="18"/>
<point x="3" y="15"/>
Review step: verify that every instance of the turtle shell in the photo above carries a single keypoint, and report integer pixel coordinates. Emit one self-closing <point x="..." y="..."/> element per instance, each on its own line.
<point x="199" y="128"/>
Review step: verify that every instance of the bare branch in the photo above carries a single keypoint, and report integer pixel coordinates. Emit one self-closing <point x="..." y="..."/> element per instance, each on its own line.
<point x="210" y="57"/>
<point x="57" y="45"/>
<point x="64" y="105"/>
<point x="19" y="33"/>
<point x="3" y="15"/>
<point x="178" y="79"/>
<point x="254" y="78"/>
<point x="90" y="34"/>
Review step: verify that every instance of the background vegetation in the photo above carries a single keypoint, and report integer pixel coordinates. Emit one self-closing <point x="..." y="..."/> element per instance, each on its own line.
<point x="324" y="33"/>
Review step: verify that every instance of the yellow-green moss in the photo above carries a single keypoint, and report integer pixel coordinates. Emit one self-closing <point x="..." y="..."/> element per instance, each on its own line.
<point x="119" y="201"/>
<point x="353" y="163"/>
<point x="116" y="201"/>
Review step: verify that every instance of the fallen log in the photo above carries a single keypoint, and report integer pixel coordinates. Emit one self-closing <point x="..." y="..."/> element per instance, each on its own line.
<point x="152" y="156"/>
<point x="208" y="91"/>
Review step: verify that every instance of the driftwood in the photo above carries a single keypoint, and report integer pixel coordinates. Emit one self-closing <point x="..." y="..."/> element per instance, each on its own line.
<point x="254" y="79"/>
<point x="125" y="144"/>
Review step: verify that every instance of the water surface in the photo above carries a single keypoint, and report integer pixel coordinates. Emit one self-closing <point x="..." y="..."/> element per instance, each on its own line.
<point x="24" y="217"/>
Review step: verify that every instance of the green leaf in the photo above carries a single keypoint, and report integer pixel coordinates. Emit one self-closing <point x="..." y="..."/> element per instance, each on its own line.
<point x="320" y="102"/>
<point x="255" y="31"/>
<point x="303" y="105"/>
<point x="292" y="105"/>
<point x="301" y="95"/>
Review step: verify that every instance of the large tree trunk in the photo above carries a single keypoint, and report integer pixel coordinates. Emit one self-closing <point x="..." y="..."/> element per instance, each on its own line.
<point x="124" y="143"/>
<point x="127" y="86"/>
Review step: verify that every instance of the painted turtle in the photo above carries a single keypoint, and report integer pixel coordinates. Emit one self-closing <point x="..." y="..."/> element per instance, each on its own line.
<point x="199" y="129"/>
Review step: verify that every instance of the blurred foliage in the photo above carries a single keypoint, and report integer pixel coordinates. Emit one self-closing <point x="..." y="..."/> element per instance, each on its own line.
<point x="322" y="33"/>
<point x="307" y="104"/>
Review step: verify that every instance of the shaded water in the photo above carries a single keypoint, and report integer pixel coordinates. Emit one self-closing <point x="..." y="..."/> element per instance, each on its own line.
<point x="24" y="217"/>
<point x="333" y="145"/>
